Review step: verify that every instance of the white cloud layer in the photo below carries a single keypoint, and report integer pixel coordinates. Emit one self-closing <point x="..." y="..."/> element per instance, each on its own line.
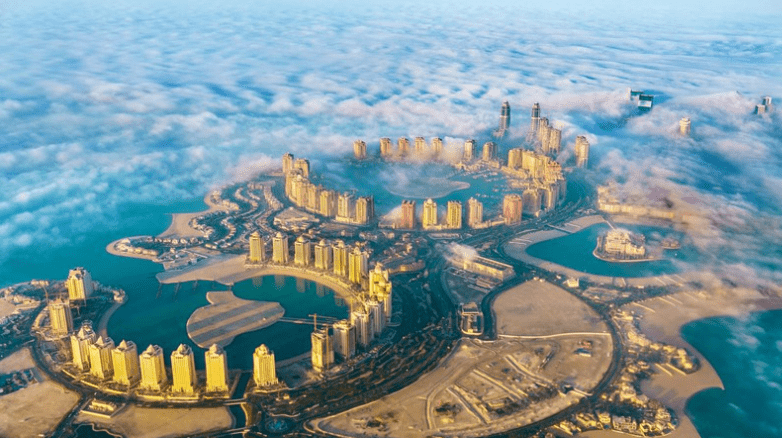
<point x="102" y="105"/>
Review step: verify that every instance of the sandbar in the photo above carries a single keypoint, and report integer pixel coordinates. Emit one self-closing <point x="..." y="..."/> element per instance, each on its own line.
<point x="138" y="422"/>
<point x="228" y="316"/>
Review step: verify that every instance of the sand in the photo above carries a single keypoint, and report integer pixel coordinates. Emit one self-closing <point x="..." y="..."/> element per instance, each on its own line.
<point x="538" y="308"/>
<point x="228" y="316"/>
<point x="138" y="422"/>
<point x="35" y="410"/>
<point x="230" y="269"/>
<point x="6" y="308"/>
<point x="180" y="221"/>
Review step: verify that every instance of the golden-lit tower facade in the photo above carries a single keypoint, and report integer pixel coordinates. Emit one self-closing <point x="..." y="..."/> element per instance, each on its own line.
<point x="420" y="145"/>
<point x="385" y="147"/>
<point x="470" y="150"/>
<point x="377" y="316"/>
<point x="344" y="339"/>
<point x="437" y="146"/>
<point x="514" y="158"/>
<point x="407" y="220"/>
<point x="303" y="166"/>
<point x="453" y="218"/>
<point x="322" y="349"/>
<point x="313" y="197"/>
<point x="183" y="372"/>
<point x="60" y="318"/>
<point x="79" y="284"/>
<point x="360" y="319"/>
<point x="101" y="365"/>
<point x="216" y="369"/>
<point x="287" y="163"/>
<point x="582" y="151"/>
<point x="340" y="258"/>
<point x="531" y="201"/>
<point x="80" y="346"/>
<point x="474" y="212"/>
<point x="489" y="151"/>
<point x="359" y="149"/>
<point x="344" y="206"/>
<point x="302" y="252"/>
<point x="684" y="126"/>
<point x="504" y="117"/>
<point x="403" y="146"/>
<point x="280" y="250"/>
<point x="365" y="209"/>
<point x="429" y="215"/>
<point x="381" y="288"/>
<point x="357" y="265"/>
<point x="323" y="259"/>
<point x="511" y="209"/>
<point x="264" y="367"/>
<point x="257" y="248"/>
<point x="328" y="203"/>
<point x="124" y="358"/>
<point x="153" y="369"/>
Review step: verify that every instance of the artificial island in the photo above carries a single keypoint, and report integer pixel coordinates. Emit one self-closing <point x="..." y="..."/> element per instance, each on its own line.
<point x="446" y="321"/>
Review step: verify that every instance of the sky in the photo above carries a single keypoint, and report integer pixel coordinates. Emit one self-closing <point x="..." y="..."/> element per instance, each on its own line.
<point x="105" y="105"/>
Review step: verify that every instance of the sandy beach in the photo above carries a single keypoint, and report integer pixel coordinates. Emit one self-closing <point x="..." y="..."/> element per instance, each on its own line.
<point x="139" y="422"/>
<point x="230" y="269"/>
<point x="180" y="222"/>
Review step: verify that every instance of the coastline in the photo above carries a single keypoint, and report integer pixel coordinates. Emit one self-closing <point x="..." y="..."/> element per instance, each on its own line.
<point x="662" y="319"/>
<point x="231" y="269"/>
<point x="110" y="248"/>
<point x="180" y="222"/>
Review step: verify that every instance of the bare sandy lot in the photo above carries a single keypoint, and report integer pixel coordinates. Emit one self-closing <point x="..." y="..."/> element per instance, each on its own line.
<point x="539" y="308"/>
<point x="137" y="422"/>
<point x="36" y="409"/>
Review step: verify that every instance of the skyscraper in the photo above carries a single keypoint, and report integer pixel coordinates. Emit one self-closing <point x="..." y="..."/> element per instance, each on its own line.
<point x="582" y="151"/>
<point x="420" y="145"/>
<point x="340" y="258"/>
<point x="322" y="349"/>
<point x="684" y="126"/>
<point x="101" y="365"/>
<point x="408" y="215"/>
<point x="183" y="371"/>
<point x="437" y="146"/>
<point x="303" y="166"/>
<point x="344" y="339"/>
<point x="429" y="216"/>
<point x="257" y="248"/>
<point x="381" y="288"/>
<point x="365" y="209"/>
<point x="80" y="346"/>
<point x="344" y="206"/>
<point x="323" y="255"/>
<point x="302" y="250"/>
<point x="511" y="209"/>
<point x="60" y="318"/>
<point x="328" y="203"/>
<point x="359" y="149"/>
<point x="454" y="215"/>
<point x="514" y="158"/>
<point x="470" y="150"/>
<point x="280" y="251"/>
<point x="403" y="146"/>
<point x="364" y="333"/>
<point x="535" y="119"/>
<point x="385" y="147"/>
<point x="357" y="265"/>
<point x="504" y="118"/>
<point x="153" y="369"/>
<point x="489" y="151"/>
<point x="474" y="212"/>
<point x="124" y="358"/>
<point x="287" y="163"/>
<point x="216" y="369"/>
<point x="377" y="316"/>
<point x="79" y="284"/>
<point x="264" y="368"/>
<point x="531" y="201"/>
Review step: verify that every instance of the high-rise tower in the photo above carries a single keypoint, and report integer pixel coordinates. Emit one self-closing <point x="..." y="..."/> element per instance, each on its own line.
<point x="216" y="369"/>
<point x="535" y="119"/>
<point x="437" y="146"/>
<point x="385" y="147"/>
<point x="126" y="365"/>
<point x="359" y="149"/>
<point x="340" y="258"/>
<point x="429" y="216"/>
<point x="474" y="212"/>
<point x="344" y="339"/>
<point x="582" y="151"/>
<point x="470" y="150"/>
<point x="323" y="255"/>
<point x="408" y="215"/>
<point x="80" y="346"/>
<point x="280" y="251"/>
<point x="454" y="215"/>
<point x="264" y="368"/>
<point x="79" y="284"/>
<point x="684" y="126"/>
<point x="511" y="209"/>
<point x="504" y="118"/>
<point x="183" y="370"/>
<point x="153" y="369"/>
<point x="101" y="365"/>
<point x="257" y="248"/>
<point x="322" y="349"/>
<point x="60" y="318"/>
<point x="302" y="250"/>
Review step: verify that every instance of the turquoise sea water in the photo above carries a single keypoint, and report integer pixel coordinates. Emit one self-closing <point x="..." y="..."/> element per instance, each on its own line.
<point x="575" y="251"/>
<point x="746" y="354"/>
